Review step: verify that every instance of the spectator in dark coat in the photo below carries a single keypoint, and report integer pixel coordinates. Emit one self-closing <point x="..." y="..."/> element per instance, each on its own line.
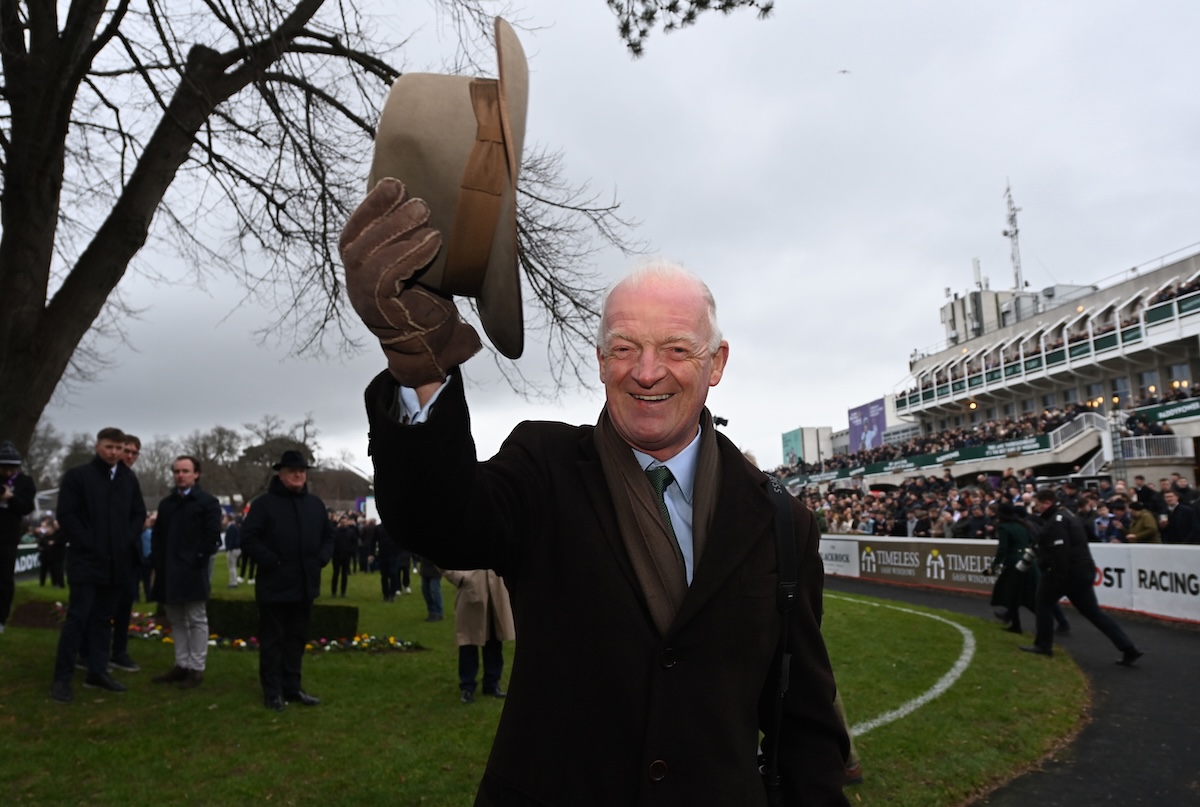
<point x="186" y="535"/>
<point x="1182" y="523"/>
<point x="288" y="534"/>
<point x="387" y="556"/>
<point x="101" y="513"/>
<point x="17" y="495"/>
<point x="345" y="545"/>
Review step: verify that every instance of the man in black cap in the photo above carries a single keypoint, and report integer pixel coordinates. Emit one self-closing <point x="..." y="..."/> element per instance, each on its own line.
<point x="17" y="494"/>
<point x="288" y="534"/>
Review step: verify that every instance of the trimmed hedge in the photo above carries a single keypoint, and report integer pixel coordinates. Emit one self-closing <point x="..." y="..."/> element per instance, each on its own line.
<point x="238" y="619"/>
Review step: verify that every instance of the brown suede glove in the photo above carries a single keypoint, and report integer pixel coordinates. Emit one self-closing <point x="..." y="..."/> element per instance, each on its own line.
<point x="385" y="245"/>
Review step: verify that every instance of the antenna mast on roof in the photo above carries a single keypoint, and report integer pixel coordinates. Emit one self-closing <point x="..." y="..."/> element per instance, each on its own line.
<point x="1011" y="235"/>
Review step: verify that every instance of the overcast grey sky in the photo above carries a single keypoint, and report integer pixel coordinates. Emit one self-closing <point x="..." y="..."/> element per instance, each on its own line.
<point x="829" y="171"/>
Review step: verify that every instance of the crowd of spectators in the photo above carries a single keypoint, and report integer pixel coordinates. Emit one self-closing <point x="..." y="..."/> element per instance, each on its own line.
<point x="991" y="431"/>
<point x="1175" y="290"/>
<point x="933" y="507"/>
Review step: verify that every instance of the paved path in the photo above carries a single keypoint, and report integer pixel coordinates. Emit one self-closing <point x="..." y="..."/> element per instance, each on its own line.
<point x="1143" y="744"/>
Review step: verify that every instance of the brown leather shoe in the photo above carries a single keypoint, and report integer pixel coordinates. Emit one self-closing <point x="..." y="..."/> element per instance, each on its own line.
<point x="175" y="675"/>
<point x="193" y="679"/>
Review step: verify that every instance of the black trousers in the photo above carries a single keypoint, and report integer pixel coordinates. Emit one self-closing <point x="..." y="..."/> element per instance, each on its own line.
<point x="282" y="633"/>
<point x="389" y="576"/>
<point x="89" y="617"/>
<point x="8" y="562"/>
<point x="1079" y="589"/>
<point x="341" y="568"/>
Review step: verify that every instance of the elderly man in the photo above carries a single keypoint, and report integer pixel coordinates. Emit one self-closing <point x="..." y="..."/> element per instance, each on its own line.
<point x="288" y="534"/>
<point x="640" y="553"/>
<point x="186" y="534"/>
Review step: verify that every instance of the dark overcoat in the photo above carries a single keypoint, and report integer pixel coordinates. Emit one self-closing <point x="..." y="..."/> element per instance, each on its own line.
<point x="186" y="534"/>
<point x="290" y="537"/>
<point x="13" y="512"/>
<point x="101" y="517"/>
<point x="604" y="710"/>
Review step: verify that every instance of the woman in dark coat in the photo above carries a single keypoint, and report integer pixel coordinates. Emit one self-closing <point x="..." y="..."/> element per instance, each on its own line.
<point x="1014" y="588"/>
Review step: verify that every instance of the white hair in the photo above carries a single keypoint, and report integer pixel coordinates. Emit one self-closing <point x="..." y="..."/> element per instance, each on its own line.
<point x="658" y="270"/>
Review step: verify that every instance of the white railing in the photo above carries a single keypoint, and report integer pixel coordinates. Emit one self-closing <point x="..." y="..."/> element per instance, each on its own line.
<point x="1156" y="446"/>
<point x="1075" y="427"/>
<point x="1093" y="466"/>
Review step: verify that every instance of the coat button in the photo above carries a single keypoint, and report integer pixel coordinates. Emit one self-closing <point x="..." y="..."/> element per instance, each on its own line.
<point x="668" y="658"/>
<point x="658" y="770"/>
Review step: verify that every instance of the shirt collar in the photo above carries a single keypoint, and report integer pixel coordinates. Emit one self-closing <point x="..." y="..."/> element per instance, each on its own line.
<point x="682" y="465"/>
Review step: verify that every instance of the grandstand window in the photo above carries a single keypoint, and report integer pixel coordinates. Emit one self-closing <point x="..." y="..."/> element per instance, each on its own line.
<point x="1049" y="400"/>
<point x="1095" y="392"/>
<point x="1027" y="405"/>
<point x="1120" y="387"/>
<point x="1148" y="384"/>
<point x="1179" y="377"/>
<point x="1070" y="395"/>
<point x="1010" y="409"/>
<point x="991" y="413"/>
<point x="957" y="421"/>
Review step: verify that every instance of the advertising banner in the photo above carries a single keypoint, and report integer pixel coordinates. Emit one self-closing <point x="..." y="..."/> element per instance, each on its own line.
<point x="867" y="425"/>
<point x="1166" y="580"/>
<point x="28" y="561"/>
<point x="1172" y="411"/>
<point x="793" y="447"/>
<point x="1157" y="579"/>
<point x="1114" y="580"/>
<point x="946" y="564"/>
<point x="840" y="557"/>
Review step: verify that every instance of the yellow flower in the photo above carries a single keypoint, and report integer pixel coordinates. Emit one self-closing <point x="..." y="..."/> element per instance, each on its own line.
<point x="168" y="640"/>
<point x="308" y="647"/>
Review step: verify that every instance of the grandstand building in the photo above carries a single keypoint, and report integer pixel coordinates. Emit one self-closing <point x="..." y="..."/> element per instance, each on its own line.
<point x="1112" y="366"/>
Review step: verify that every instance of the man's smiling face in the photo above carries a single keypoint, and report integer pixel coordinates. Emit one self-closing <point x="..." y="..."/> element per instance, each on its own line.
<point x="657" y="364"/>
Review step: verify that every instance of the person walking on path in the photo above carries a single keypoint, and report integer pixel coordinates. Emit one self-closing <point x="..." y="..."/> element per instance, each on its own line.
<point x="1067" y="571"/>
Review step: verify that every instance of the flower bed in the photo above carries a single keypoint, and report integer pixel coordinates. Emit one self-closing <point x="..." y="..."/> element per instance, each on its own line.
<point x="145" y="625"/>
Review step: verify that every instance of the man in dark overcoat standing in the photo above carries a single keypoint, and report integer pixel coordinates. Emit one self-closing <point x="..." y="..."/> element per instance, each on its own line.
<point x="100" y="514"/>
<point x="186" y="535"/>
<point x="289" y="535"/>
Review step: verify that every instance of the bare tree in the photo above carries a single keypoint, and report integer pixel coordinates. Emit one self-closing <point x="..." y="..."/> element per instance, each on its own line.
<point x="236" y="134"/>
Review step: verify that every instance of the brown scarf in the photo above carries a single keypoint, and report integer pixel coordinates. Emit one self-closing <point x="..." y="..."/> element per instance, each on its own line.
<point x="655" y="556"/>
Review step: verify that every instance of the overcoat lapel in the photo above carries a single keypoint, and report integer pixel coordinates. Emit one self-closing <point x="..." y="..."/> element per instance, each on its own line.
<point x="594" y="482"/>
<point x="743" y="515"/>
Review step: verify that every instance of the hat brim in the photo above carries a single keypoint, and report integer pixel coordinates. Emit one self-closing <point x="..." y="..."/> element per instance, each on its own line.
<point x="425" y="136"/>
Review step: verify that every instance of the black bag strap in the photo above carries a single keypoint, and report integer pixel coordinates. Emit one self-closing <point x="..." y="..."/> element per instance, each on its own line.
<point x="785" y="597"/>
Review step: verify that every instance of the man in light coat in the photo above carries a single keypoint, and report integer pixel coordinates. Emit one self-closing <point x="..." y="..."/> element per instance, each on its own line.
<point x="483" y="620"/>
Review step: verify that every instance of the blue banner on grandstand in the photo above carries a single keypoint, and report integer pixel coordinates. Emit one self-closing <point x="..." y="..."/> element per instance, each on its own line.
<point x="793" y="447"/>
<point x="867" y="425"/>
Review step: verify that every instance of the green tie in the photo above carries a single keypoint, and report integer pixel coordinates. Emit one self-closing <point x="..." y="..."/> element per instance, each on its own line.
<point x="660" y="478"/>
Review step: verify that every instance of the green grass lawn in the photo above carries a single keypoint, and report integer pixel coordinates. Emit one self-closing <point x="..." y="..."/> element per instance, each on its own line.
<point x="391" y="729"/>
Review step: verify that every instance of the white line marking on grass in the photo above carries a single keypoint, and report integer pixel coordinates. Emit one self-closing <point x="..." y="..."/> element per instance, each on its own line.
<point x="943" y="683"/>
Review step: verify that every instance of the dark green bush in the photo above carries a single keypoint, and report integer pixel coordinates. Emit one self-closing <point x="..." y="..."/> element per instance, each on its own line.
<point x="238" y="619"/>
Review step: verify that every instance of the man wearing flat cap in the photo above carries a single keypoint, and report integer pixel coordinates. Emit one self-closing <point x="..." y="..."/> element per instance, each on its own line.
<point x="648" y="668"/>
<point x="288" y="534"/>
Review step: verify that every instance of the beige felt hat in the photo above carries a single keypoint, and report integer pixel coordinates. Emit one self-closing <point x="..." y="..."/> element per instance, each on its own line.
<point x="455" y="141"/>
